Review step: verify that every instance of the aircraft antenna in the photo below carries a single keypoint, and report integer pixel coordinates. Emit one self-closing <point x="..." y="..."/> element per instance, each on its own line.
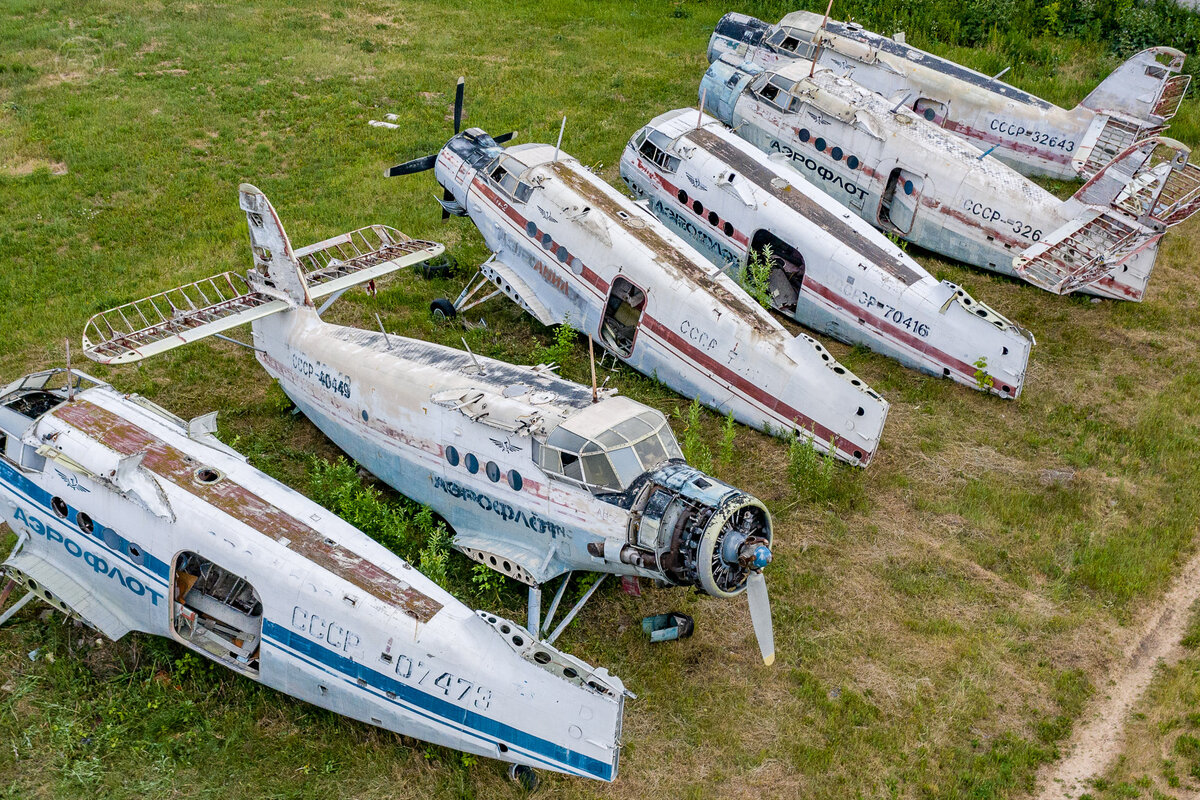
<point x="700" y="116"/>
<point x="592" y="358"/>
<point x="478" y="366"/>
<point x="386" y="340"/>
<point x="561" y="128"/>
<point x="71" y="382"/>
<point x="813" y="68"/>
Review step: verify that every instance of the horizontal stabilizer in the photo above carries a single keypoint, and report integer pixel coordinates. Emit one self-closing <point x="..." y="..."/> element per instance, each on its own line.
<point x="360" y="256"/>
<point x="214" y="305"/>
<point x="1152" y="180"/>
<point x="1081" y="252"/>
<point x="174" y="318"/>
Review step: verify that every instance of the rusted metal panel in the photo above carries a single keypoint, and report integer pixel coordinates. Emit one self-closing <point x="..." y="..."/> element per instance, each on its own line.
<point x="243" y="505"/>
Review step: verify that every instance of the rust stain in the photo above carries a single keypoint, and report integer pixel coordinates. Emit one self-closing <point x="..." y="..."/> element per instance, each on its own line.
<point x="650" y="237"/>
<point x="240" y="503"/>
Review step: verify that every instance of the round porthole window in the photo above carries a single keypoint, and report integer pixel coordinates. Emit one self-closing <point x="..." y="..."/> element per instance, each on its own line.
<point x="452" y="455"/>
<point x="84" y="522"/>
<point x="364" y="415"/>
<point x="682" y="196"/>
<point x="493" y="471"/>
<point x="836" y="153"/>
<point x="713" y="219"/>
<point x="908" y="187"/>
<point x="135" y="554"/>
<point x="514" y="480"/>
<point x="697" y="206"/>
<point x="531" y="228"/>
<point x="471" y="462"/>
<point x="60" y="507"/>
<point x="930" y="114"/>
<point x="728" y="229"/>
<point x="804" y="135"/>
<point x="819" y="144"/>
<point x="547" y="240"/>
<point x="852" y="162"/>
<point x="562" y="254"/>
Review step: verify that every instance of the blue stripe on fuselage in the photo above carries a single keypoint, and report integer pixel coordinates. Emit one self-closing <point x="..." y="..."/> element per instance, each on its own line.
<point x="446" y="712"/>
<point x="152" y="567"/>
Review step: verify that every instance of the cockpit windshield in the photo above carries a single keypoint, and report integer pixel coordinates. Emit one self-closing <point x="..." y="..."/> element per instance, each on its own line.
<point x="505" y="173"/>
<point x="607" y="447"/>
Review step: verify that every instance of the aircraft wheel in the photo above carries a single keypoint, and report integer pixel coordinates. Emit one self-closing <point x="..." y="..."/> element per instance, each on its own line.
<point x="525" y="776"/>
<point x="442" y="309"/>
<point x="439" y="267"/>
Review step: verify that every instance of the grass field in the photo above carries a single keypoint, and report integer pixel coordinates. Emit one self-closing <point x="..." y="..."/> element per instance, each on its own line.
<point x="941" y="618"/>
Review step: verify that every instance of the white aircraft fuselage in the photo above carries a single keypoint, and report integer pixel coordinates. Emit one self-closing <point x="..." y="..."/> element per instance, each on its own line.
<point x="914" y="180"/>
<point x="1032" y="135"/>
<point x="832" y="272"/>
<point x="135" y="520"/>
<point x="570" y="248"/>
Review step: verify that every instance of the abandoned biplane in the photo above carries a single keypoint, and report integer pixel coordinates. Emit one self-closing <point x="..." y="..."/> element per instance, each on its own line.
<point x="829" y="270"/>
<point x="913" y="180"/>
<point x="569" y="247"/>
<point x="1033" y="136"/>
<point x="132" y="519"/>
<point x="537" y="476"/>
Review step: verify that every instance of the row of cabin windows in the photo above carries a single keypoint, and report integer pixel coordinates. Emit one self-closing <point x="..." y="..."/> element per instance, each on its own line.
<point x="491" y="468"/>
<point x="835" y="152"/>
<point x="713" y="218"/>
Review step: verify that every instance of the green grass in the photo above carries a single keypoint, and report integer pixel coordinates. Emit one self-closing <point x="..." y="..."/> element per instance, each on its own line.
<point x="940" y="617"/>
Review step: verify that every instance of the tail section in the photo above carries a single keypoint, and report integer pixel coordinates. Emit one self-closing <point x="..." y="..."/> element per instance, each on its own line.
<point x="281" y="279"/>
<point x="273" y="257"/>
<point x="1147" y="87"/>
<point x="1152" y="180"/>
<point x="1100" y="252"/>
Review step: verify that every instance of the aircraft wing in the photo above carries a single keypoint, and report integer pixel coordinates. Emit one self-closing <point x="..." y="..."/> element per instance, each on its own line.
<point x="77" y="597"/>
<point x="525" y="564"/>
<point x="514" y="286"/>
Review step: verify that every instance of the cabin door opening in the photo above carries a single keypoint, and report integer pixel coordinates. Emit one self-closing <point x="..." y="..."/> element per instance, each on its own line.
<point x="787" y="269"/>
<point x="901" y="199"/>
<point x="622" y="314"/>
<point x="216" y="612"/>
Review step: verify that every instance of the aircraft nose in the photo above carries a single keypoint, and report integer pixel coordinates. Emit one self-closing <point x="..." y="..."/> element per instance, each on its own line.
<point x="720" y="87"/>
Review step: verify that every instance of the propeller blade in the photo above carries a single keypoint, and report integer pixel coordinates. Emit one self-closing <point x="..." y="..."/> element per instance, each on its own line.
<point x="504" y="137"/>
<point x="446" y="195"/>
<point x="760" y="615"/>
<point x="458" y="104"/>
<point x="409" y="167"/>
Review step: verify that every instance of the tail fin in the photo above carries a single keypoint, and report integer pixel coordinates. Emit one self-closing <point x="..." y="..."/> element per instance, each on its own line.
<point x="273" y="258"/>
<point x="1146" y="87"/>
<point x="1152" y="180"/>
<point x="282" y="278"/>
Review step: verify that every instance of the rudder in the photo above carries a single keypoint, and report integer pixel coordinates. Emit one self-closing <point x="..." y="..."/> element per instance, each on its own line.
<point x="1147" y="87"/>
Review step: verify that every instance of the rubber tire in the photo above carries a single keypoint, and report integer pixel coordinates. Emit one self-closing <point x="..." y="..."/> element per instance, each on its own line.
<point x="440" y="267"/>
<point x="525" y="777"/>
<point x="443" y="308"/>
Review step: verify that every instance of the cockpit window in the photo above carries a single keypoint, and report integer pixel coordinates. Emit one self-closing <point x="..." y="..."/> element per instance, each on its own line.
<point x="612" y="459"/>
<point x="658" y="155"/>
<point x="776" y="91"/>
<point x="792" y="40"/>
<point x="505" y="173"/>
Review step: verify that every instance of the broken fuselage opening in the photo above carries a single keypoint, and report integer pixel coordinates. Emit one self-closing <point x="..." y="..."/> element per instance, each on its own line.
<point x="216" y="612"/>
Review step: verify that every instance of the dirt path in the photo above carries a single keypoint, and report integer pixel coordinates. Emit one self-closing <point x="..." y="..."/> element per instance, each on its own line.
<point x="1100" y="736"/>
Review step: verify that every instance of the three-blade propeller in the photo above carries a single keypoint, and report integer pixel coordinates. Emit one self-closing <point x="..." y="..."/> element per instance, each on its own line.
<point x="428" y="162"/>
